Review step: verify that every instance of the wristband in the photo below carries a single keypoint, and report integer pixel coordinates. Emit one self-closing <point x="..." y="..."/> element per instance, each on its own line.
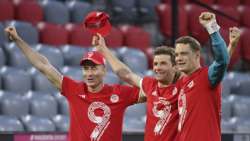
<point x="212" y="27"/>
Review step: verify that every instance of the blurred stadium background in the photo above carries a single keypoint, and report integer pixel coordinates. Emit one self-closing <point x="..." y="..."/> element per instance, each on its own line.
<point x="29" y="105"/>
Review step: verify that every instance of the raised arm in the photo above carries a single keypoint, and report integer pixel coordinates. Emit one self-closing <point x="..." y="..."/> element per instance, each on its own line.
<point x="37" y="60"/>
<point x="121" y="70"/>
<point x="234" y="36"/>
<point x="221" y="57"/>
<point x="117" y="66"/>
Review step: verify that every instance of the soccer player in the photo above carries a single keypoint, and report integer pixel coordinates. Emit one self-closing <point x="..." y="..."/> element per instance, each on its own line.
<point x="160" y="91"/>
<point x="199" y="102"/>
<point x="96" y="109"/>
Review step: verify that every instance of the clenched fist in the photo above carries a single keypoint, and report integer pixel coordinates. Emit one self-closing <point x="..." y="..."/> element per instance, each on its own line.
<point x="234" y="35"/>
<point x="11" y="33"/>
<point x="208" y="21"/>
<point x="206" y="17"/>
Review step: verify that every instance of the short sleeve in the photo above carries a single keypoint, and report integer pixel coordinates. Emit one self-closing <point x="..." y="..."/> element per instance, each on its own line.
<point x="68" y="86"/>
<point x="146" y="84"/>
<point x="130" y="94"/>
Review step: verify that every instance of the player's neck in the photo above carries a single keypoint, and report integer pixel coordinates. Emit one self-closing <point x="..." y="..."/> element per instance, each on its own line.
<point x="162" y="84"/>
<point x="194" y="69"/>
<point x="96" y="89"/>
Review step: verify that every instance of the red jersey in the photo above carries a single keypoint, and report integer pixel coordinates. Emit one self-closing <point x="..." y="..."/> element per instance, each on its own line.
<point x="97" y="116"/>
<point x="162" y="110"/>
<point x="199" y="107"/>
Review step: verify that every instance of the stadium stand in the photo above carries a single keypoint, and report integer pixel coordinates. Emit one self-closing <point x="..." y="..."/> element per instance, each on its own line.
<point x="15" y="56"/>
<point x="134" y="58"/>
<point x="29" y="11"/>
<point x="78" y="10"/>
<point x="115" y="39"/>
<point x="2" y="57"/>
<point x="52" y="34"/>
<point x="61" y="122"/>
<point x="72" y="54"/>
<point x="165" y="15"/>
<point x="55" y="12"/>
<point x="3" y="38"/>
<point x="15" y="80"/>
<point x="37" y="124"/>
<point x="75" y="34"/>
<point x="13" y="104"/>
<point x="28" y="101"/>
<point x="26" y="30"/>
<point x="10" y="124"/>
<point x="8" y="8"/>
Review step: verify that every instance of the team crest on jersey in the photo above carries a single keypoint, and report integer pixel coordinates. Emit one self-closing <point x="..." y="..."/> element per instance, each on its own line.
<point x="191" y="84"/>
<point x="114" y="98"/>
<point x="154" y="93"/>
<point x="182" y="108"/>
<point x="174" y="92"/>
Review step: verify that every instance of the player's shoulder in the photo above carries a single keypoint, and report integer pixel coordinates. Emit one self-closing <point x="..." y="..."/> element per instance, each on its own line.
<point x="70" y="87"/>
<point x="119" y="86"/>
<point x="68" y="79"/>
<point x="72" y="82"/>
<point x="200" y="71"/>
<point x="113" y="87"/>
<point x="121" y="89"/>
<point x="205" y="69"/>
<point x="198" y="74"/>
<point x="149" y="80"/>
<point x="204" y="72"/>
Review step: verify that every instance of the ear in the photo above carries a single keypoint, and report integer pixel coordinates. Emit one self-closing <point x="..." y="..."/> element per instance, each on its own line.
<point x="82" y="69"/>
<point x="104" y="70"/>
<point x="198" y="55"/>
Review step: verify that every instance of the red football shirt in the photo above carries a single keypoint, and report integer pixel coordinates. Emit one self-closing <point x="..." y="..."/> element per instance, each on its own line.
<point x="97" y="116"/>
<point x="199" y="107"/>
<point x="162" y="110"/>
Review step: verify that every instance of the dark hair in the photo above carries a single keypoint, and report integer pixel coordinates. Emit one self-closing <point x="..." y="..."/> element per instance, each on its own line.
<point x="193" y="43"/>
<point x="165" y="50"/>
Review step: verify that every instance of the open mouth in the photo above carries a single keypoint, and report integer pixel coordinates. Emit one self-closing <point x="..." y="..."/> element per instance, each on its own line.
<point x="90" y="79"/>
<point x="159" y="73"/>
<point x="181" y="64"/>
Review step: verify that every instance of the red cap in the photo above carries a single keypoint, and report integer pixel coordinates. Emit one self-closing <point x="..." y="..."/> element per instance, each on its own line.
<point x="98" y="22"/>
<point x="93" y="56"/>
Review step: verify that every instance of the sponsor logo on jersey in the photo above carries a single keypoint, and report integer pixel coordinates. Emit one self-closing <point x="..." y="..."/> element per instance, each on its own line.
<point x="83" y="96"/>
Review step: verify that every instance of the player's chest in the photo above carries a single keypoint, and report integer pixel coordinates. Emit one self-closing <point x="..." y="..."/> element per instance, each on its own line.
<point x="158" y="105"/>
<point x="162" y="100"/>
<point x="103" y="104"/>
<point x="168" y="93"/>
<point x="193" y="92"/>
<point x="193" y="86"/>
